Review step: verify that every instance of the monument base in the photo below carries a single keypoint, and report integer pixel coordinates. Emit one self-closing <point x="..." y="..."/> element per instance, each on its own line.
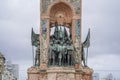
<point x="60" y="73"/>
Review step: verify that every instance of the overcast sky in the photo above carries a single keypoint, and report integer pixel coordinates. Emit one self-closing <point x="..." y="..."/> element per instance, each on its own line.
<point x="17" y="17"/>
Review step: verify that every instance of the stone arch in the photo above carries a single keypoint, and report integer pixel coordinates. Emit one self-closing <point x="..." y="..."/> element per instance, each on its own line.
<point x="61" y="11"/>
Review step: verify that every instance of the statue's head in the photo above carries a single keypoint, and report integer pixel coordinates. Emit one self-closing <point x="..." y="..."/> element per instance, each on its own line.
<point x="56" y="23"/>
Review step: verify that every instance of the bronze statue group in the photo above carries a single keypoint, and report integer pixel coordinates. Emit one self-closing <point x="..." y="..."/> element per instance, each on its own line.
<point x="61" y="49"/>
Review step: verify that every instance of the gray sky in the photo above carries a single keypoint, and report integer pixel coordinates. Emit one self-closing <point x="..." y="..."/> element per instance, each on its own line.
<point x="17" y="17"/>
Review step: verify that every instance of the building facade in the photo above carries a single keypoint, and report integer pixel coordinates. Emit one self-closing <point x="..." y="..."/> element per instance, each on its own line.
<point x="2" y="62"/>
<point x="11" y="71"/>
<point x="7" y="75"/>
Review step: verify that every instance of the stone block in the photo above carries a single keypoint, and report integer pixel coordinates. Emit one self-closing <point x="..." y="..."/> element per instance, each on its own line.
<point x="51" y="76"/>
<point x="71" y="76"/>
<point x="61" y="76"/>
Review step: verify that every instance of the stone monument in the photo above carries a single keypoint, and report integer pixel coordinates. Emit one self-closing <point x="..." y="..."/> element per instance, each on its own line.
<point x="59" y="52"/>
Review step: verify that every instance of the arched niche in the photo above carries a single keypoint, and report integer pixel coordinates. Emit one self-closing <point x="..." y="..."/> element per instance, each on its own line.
<point x="62" y="13"/>
<point x="61" y="19"/>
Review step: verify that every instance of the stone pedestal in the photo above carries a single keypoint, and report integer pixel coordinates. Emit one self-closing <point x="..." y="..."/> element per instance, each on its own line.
<point x="60" y="73"/>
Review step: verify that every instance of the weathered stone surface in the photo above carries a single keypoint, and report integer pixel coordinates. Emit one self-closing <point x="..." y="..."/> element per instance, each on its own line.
<point x="59" y="73"/>
<point x="71" y="76"/>
<point x="61" y="70"/>
<point x="43" y="76"/>
<point x="33" y="76"/>
<point x="51" y="76"/>
<point x="87" y="70"/>
<point x="77" y="76"/>
<point x="33" y="69"/>
<point x="61" y="76"/>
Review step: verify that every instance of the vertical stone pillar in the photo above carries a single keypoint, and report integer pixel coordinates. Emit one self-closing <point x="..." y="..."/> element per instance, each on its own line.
<point x="42" y="76"/>
<point x="48" y="38"/>
<point x="73" y="30"/>
<point x="40" y="33"/>
<point x="80" y="34"/>
<point x="77" y="42"/>
<point x="44" y="42"/>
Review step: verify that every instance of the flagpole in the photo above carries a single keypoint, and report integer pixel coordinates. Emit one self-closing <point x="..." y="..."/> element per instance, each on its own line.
<point x="87" y="56"/>
<point x="33" y="54"/>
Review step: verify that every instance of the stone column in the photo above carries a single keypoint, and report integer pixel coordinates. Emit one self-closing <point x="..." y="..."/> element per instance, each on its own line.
<point x="73" y="30"/>
<point x="80" y="33"/>
<point x="77" y="40"/>
<point x="43" y="65"/>
<point x="48" y="38"/>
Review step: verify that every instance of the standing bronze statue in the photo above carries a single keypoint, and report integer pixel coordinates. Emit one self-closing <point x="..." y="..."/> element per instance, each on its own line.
<point x="86" y="44"/>
<point x="35" y="42"/>
<point x="37" y="56"/>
